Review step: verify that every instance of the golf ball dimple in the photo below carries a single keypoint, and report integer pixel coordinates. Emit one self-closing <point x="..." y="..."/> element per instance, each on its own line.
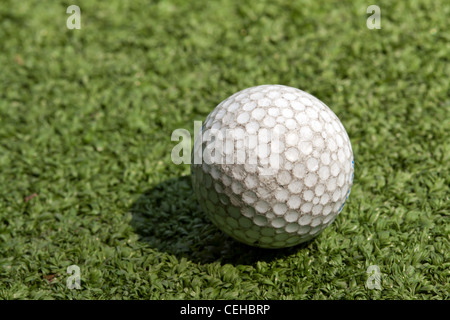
<point x="276" y="166"/>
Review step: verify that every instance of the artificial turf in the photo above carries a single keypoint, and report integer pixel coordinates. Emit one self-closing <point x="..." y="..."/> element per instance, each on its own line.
<point x="86" y="118"/>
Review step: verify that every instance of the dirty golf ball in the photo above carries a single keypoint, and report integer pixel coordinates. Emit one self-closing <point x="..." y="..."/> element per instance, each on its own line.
<point x="272" y="166"/>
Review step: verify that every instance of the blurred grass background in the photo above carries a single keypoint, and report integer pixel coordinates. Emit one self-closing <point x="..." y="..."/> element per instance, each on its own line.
<point x="85" y="122"/>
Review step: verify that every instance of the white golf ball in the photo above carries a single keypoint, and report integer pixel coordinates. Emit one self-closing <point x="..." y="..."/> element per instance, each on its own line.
<point x="272" y="166"/>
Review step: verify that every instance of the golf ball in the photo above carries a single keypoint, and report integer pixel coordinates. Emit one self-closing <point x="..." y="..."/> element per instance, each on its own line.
<point x="272" y="166"/>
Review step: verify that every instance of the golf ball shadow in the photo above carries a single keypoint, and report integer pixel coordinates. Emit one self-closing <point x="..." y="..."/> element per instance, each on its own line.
<point x="168" y="218"/>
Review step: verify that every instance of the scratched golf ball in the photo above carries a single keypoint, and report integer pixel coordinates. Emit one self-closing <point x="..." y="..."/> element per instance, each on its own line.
<point x="272" y="166"/>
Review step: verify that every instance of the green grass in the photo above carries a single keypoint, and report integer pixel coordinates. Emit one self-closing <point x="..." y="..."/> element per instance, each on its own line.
<point x="85" y="123"/>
